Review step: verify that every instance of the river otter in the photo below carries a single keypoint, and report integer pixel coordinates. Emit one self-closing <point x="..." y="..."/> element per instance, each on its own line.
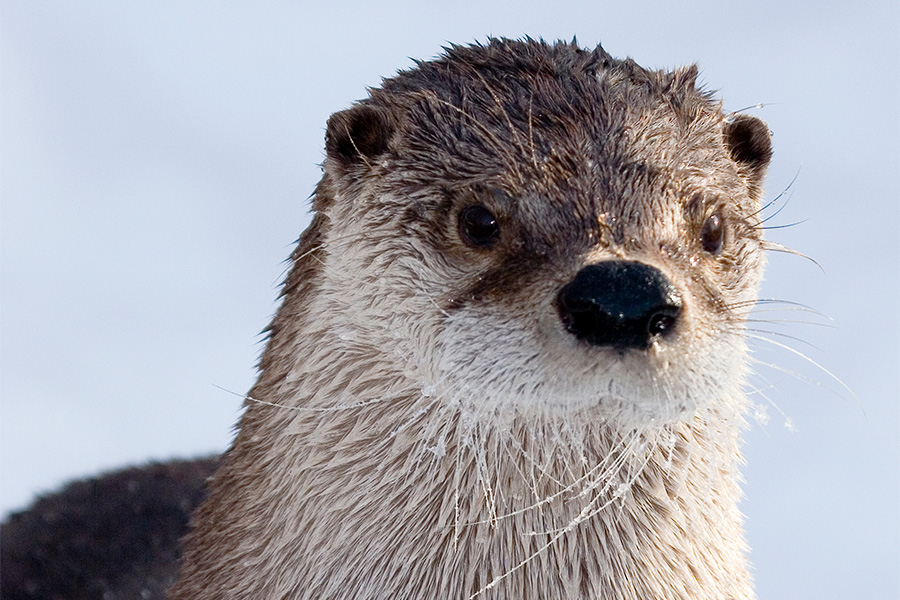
<point x="509" y="358"/>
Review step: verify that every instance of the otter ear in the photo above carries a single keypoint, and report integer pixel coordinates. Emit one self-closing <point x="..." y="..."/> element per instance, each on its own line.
<point x="358" y="135"/>
<point x="750" y="143"/>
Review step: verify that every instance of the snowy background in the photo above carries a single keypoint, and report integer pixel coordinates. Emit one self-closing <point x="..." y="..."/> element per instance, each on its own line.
<point x="156" y="158"/>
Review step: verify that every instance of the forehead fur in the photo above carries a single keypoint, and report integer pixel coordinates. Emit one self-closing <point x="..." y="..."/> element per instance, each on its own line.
<point x="605" y="135"/>
<point x="539" y="108"/>
<point x="535" y="73"/>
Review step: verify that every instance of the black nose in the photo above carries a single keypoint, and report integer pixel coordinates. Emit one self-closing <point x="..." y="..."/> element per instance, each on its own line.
<point x="619" y="304"/>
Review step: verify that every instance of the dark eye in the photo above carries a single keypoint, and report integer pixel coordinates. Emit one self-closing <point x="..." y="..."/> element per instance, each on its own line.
<point x="478" y="227"/>
<point x="712" y="236"/>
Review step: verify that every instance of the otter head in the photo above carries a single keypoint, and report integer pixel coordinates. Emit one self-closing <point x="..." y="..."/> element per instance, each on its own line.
<point x="522" y="298"/>
<point x="544" y="233"/>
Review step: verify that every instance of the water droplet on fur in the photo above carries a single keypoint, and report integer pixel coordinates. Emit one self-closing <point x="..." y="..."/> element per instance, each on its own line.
<point x="761" y="414"/>
<point x="439" y="449"/>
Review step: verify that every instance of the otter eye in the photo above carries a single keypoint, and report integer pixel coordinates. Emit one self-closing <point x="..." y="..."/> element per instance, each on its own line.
<point x="712" y="236"/>
<point x="478" y="227"/>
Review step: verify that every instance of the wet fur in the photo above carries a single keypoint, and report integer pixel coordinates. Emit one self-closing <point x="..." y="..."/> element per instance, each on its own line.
<point x="423" y="426"/>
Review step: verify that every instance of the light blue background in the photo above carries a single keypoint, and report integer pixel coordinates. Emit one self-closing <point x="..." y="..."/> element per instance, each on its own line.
<point x="155" y="159"/>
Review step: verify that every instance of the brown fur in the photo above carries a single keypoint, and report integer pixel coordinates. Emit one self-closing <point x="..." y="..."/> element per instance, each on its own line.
<point x="423" y="426"/>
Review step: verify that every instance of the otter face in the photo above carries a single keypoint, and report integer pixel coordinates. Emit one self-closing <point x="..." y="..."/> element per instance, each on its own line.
<point x="552" y="243"/>
<point x="510" y="347"/>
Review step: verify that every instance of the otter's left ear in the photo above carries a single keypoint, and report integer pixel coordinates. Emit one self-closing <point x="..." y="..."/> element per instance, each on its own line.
<point x="357" y="136"/>
<point x="750" y="143"/>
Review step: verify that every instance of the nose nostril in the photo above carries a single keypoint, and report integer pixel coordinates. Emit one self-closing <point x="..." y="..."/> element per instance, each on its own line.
<point x="619" y="304"/>
<point x="579" y="318"/>
<point x="663" y="321"/>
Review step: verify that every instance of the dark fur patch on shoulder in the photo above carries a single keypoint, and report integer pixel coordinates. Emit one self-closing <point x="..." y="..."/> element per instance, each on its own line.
<point x="114" y="536"/>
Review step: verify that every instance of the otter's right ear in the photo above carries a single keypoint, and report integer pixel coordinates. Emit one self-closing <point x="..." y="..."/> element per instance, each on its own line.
<point x="358" y="135"/>
<point x="749" y="142"/>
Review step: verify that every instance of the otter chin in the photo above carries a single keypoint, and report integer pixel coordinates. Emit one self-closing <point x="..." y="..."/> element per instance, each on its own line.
<point x="510" y="354"/>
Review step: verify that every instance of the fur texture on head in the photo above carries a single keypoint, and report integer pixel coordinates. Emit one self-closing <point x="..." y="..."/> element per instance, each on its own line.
<point x="426" y="423"/>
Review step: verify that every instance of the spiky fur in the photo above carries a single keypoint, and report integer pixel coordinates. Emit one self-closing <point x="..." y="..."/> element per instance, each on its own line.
<point x="423" y="426"/>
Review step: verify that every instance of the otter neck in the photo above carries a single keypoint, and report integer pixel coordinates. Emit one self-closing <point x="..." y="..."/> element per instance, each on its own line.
<point x="427" y="505"/>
